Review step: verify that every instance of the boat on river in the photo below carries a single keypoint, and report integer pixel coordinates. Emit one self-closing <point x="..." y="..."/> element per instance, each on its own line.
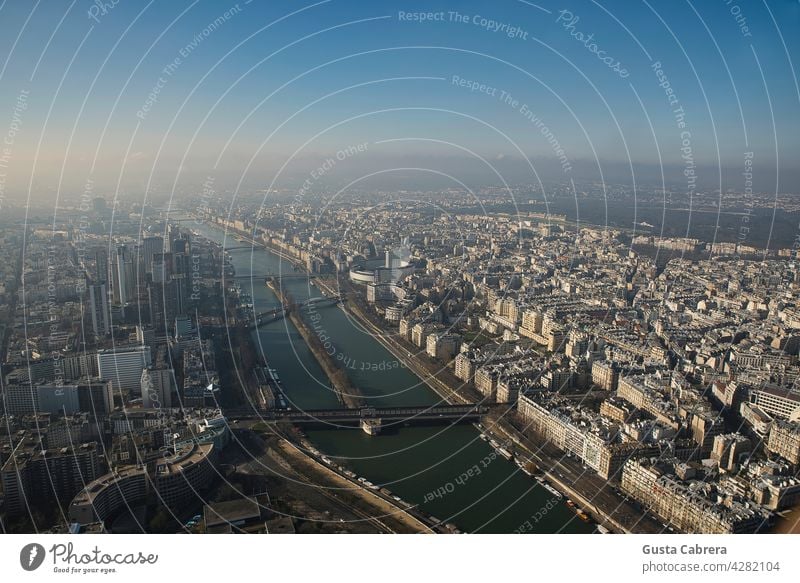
<point x="273" y="374"/>
<point x="549" y="488"/>
<point x="527" y="467"/>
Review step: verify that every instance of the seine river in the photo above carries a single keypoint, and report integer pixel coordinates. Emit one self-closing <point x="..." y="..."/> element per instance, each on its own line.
<point x="477" y="491"/>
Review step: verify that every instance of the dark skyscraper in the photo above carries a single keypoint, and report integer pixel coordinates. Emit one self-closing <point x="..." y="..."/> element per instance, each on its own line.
<point x="101" y="266"/>
<point x="99" y="309"/>
<point x="181" y="273"/>
<point x="162" y="298"/>
<point x="124" y="276"/>
<point x="162" y="267"/>
<point x="149" y="247"/>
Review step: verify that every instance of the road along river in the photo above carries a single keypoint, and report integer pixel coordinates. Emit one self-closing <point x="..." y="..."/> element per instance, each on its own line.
<point x="449" y="471"/>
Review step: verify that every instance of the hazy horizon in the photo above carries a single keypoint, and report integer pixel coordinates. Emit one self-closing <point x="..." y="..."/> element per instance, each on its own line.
<point x="479" y="94"/>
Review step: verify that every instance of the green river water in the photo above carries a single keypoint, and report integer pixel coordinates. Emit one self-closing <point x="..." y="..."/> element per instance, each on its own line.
<point x="413" y="462"/>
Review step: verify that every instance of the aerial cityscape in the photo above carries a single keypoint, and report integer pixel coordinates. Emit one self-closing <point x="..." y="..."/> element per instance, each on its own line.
<point x="331" y="268"/>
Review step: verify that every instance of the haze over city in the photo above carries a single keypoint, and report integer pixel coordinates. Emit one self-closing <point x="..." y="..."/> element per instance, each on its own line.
<point x="399" y="267"/>
<point x="142" y="95"/>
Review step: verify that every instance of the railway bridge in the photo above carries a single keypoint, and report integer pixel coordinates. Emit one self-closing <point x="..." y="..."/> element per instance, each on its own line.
<point x="354" y="416"/>
<point x="279" y="312"/>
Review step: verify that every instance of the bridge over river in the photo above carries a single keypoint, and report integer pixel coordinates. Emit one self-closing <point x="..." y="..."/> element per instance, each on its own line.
<point x="274" y="277"/>
<point x="387" y="415"/>
<point x="279" y="312"/>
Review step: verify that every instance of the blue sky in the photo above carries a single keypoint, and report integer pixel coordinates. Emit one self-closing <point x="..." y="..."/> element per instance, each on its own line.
<point x="378" y="78"/>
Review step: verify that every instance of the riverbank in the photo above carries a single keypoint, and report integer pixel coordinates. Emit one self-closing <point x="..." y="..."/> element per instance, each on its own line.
<point x="347" y="394"/>
<point x="595" y="494"/>
<point x="313" y="495"/>
<point x="275" y="250"/>
<point x="362" y="501"/>
<point x="408" y="476"/>
<point x="448" y="394"/>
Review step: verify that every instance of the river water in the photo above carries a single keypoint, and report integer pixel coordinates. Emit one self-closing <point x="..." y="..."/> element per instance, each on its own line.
<point x="477" y="491"/>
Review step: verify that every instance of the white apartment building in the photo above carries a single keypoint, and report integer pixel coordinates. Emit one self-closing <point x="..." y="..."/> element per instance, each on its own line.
<point x="124" y="366"/>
